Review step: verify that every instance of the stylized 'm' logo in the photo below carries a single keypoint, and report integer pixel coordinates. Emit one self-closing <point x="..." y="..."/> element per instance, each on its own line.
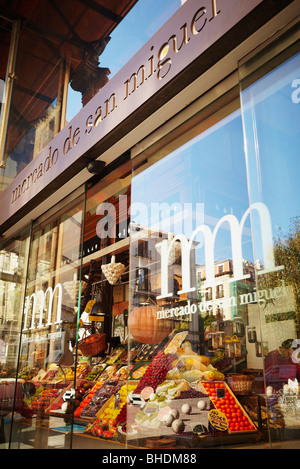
<point x="2" y="90"/>
<point x="40" y="297"/>
<point x="236" y="229"/>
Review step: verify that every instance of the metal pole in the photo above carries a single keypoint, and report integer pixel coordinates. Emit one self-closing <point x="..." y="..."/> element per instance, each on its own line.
<point x="9" y="79"/>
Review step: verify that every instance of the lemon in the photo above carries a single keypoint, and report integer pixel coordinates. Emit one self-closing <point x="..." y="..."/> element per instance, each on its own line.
<point x="189" y="363"/>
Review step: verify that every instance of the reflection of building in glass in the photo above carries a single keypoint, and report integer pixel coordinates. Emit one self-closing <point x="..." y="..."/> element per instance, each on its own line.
<point x="224" y="297"/>
<point x="10" y="301"/>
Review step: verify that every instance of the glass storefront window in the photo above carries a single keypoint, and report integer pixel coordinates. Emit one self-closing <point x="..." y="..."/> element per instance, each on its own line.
<point x="13" y="269"/>
<point x="159" y="308"/>
<point x="104" y="308"/>
<point x="271" y="112"/>
<point x="192" y="269"/>
<point x="47" y="356"/>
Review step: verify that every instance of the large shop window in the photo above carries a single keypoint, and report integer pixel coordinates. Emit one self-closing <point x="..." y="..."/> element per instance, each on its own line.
<point x="47" y="358"/>
<point x="215" y="272"/>
<point x="192" y="270"/>
<point x="13" y="269"/>
<point x="270" y="99"/>
<point x="161" y="307"/>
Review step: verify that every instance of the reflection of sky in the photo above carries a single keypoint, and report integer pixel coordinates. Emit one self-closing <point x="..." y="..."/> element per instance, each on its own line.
<point x="141" y="23"/>
<point x="272" y="126"/>
<point x="208" y="171"/>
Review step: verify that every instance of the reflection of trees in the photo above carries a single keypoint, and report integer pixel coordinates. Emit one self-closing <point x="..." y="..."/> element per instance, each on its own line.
<point x="287" y="253"/>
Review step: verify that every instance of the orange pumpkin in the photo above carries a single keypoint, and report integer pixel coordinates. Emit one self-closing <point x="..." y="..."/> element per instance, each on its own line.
<point x="145" y="327"/>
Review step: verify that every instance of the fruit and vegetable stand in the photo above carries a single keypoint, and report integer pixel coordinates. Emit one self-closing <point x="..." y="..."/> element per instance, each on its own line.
<point x="177" y="396"/>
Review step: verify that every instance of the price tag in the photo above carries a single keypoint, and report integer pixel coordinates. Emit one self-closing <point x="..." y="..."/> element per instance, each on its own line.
<point x="199" y="429"/>
<point x="221" y="392"/>
<point x="218" y="420"/>
<point x="179" y="365"/>
<point x="117" y="400"/>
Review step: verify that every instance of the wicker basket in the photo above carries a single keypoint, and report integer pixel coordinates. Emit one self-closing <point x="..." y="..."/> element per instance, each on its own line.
<point x="92" y="344"/>
<point x="240" y="384"/>
<point x="121" y="435"/>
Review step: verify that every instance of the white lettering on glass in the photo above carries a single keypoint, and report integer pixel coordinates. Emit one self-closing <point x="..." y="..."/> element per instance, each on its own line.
<point x="236" y="230"/>
<point x="40" y="297"/>
<point x="296" y="93"/>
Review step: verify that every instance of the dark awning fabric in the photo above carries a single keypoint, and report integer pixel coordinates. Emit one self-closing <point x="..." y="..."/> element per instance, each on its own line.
<point x="68" y="26"/>
<point x="52" y="30"/>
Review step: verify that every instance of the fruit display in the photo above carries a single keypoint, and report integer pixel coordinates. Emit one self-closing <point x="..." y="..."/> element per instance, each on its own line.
<point x="177" y="409"/>
<point x="86" y="399"/>
<point x="193" y="367"/>
<point x="156" y="373"/>
<point x="55" y="374"/>
<point x="82" y="371"/>
<point x="109" y="371"/>
<point x="123" y="372"/>
<point x="175" y="393"/>
<point x="168" y="412"/>
<point x="50" y="374"/>
<point x="99" y="397"/>
<point x="105" y="425"/>
<point x="42" y="399"/>
<point x="66" y="374"/>
<point x="182" y="394"/>
<point x="94" y="373"/>
<point x="139" y="370"/>
<point x="118" y="353"/>
<point x="39" y="376"/>
<point x="147" y="352"/>
<point x="173" y="346"/>
<point x="26" y="373"/>
<point x="238" y="420"/>
<point x="102" y="428"/>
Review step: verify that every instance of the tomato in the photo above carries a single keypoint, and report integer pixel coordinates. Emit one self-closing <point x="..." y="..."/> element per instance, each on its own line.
<point x="99" y="431"/>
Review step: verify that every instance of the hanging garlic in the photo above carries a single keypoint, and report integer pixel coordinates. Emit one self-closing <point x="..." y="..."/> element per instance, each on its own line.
<point x="72" y="288"/>
<point x="113" y="271"/>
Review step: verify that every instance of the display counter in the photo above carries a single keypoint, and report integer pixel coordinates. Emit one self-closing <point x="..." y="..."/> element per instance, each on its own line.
<point x="172" y="399"/>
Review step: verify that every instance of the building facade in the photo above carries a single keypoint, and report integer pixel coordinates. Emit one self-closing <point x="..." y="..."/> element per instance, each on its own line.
<point x="149" y="251"/>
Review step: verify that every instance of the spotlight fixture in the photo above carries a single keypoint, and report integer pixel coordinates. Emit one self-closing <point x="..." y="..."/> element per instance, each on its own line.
<point x="95" y="167"/>
<point x="142" y="295"/>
